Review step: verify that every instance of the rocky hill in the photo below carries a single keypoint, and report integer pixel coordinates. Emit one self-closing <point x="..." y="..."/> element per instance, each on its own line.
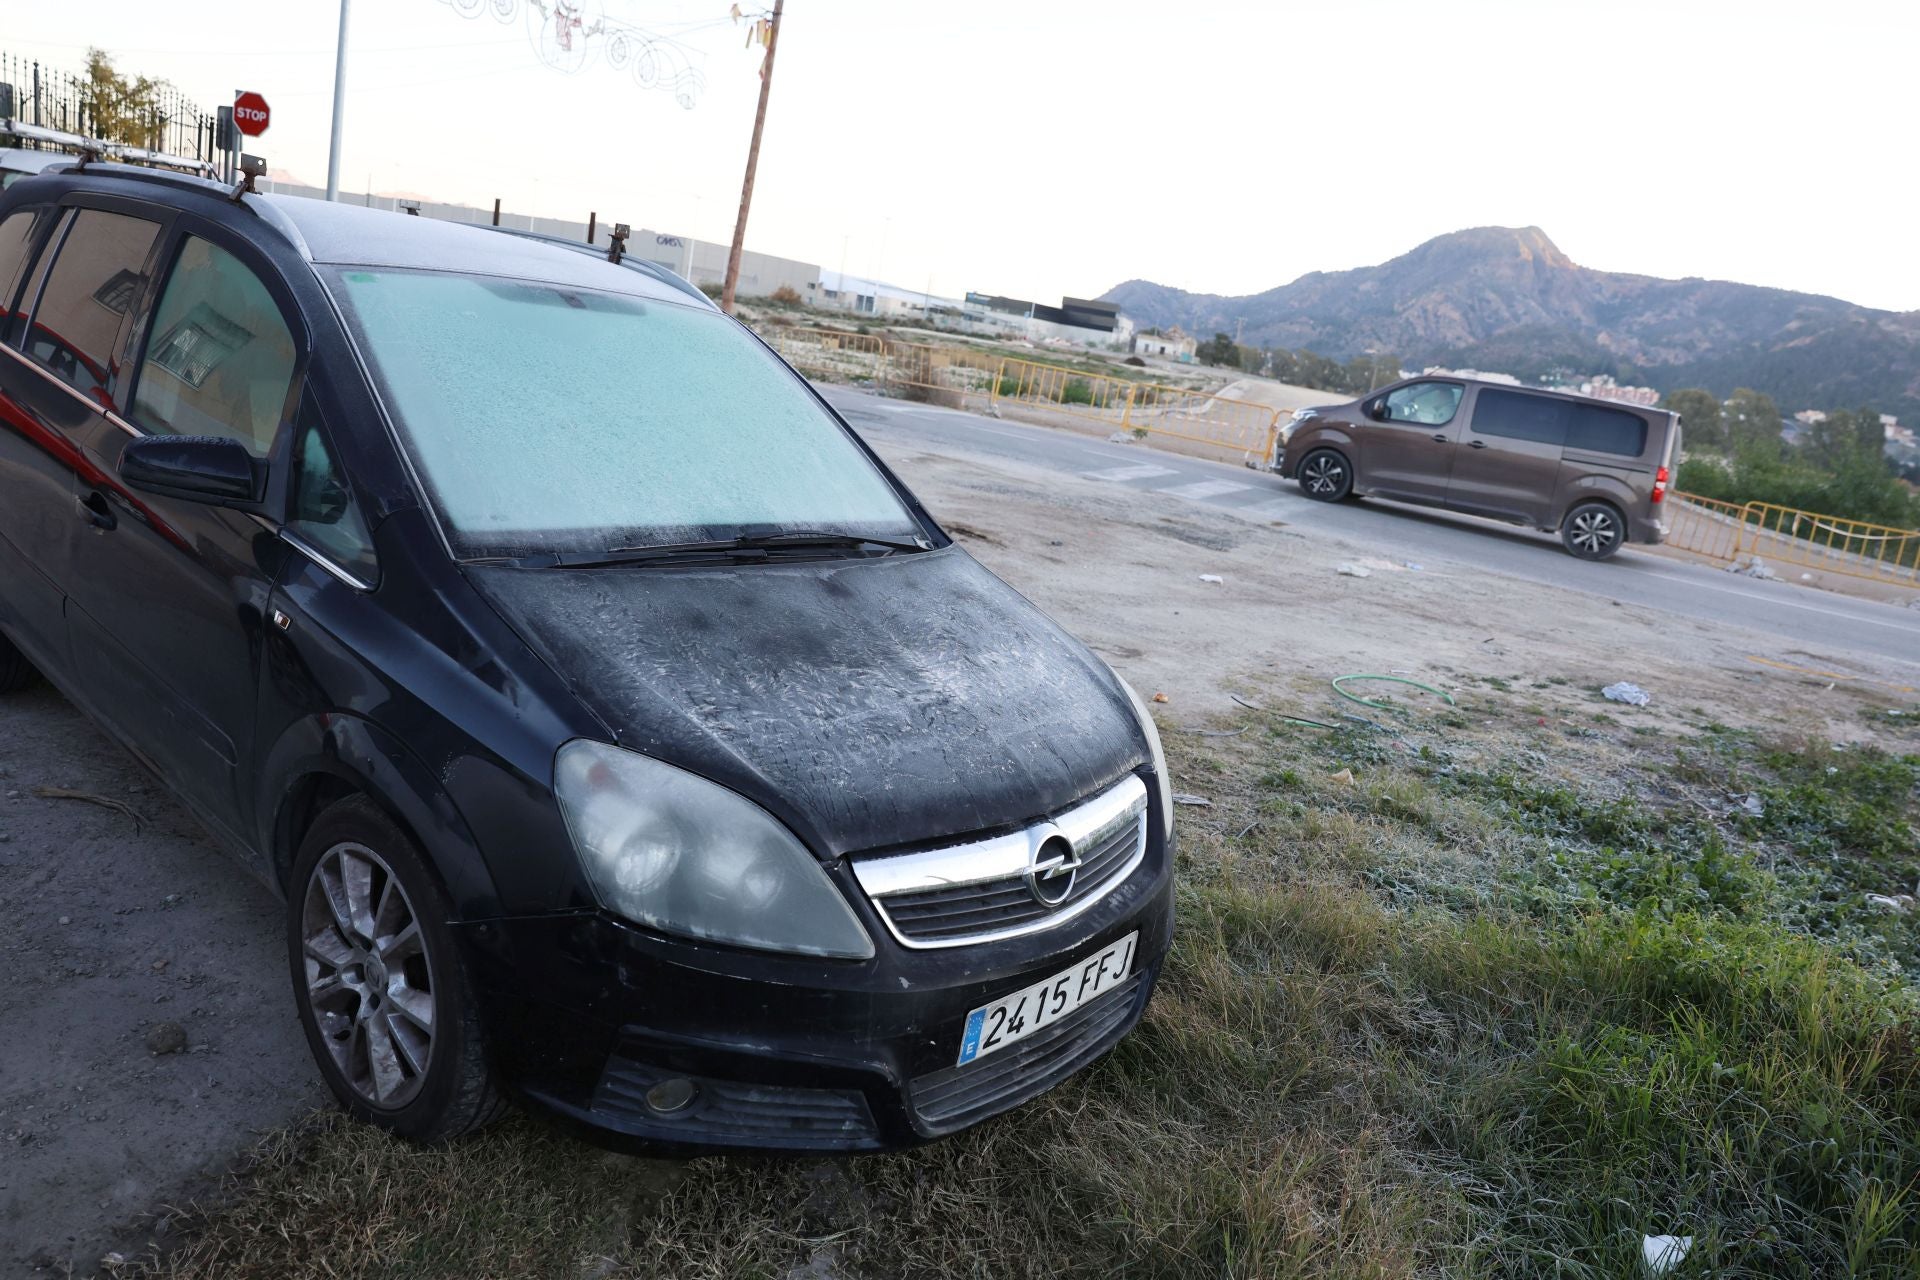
<point x="1507" y="298"/>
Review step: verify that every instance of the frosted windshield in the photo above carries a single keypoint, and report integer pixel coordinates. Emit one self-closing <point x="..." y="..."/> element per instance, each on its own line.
<point x="550" y="418"/>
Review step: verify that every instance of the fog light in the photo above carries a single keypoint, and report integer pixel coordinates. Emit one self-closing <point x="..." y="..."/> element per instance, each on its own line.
<point x="673" y="1095"/>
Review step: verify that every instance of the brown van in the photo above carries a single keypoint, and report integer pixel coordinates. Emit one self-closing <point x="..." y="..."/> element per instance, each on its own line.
<point x="1594" y="470"/>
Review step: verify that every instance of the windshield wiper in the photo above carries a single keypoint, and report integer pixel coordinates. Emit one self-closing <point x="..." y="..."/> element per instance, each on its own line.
<point x="747" y="547"/>
<point x="803" y="539"/>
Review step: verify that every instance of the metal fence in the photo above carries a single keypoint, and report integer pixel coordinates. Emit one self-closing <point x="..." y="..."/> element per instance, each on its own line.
<point x="1790" y="536"/>
<point x="960" y="375"/>
<point x="165" y="120"/>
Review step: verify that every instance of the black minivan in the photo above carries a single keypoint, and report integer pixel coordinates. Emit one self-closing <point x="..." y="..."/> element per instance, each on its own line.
<point x="618" y="730"/>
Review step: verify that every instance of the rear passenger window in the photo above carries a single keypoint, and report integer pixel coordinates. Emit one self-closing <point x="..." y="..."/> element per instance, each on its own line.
<point x="220" y="357"/>
<point x="1601" y="430"/>
<point x="16" y="233"/>
<point x="88" y="295"/>
<point x="1515" y="415"/>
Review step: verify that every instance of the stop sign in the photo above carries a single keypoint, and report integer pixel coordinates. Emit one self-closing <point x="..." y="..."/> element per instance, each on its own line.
<point x="250" y="114"/>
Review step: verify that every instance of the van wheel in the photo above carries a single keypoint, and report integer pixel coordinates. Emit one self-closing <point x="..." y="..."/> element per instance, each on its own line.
<point x="382" y="988"/>
<point x="16" y="673"/>
<point x="1325" y="476"/>
<point x="1593" y="531"/>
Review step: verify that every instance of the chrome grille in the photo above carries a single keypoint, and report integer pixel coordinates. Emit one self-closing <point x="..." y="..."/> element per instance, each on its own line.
<point x="985" y="889"/>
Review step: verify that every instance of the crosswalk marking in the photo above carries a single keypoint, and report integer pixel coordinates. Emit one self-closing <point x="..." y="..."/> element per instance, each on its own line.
<point x="1137" y="471"/>
<point x="1264" y="511"/>
<point x="1205" y="489"/>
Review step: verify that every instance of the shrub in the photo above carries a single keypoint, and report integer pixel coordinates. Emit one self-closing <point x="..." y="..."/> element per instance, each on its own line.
<point x="786" y="295"/>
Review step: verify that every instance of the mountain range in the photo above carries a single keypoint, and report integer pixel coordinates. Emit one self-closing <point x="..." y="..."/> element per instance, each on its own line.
<point x="1507" y="299"/>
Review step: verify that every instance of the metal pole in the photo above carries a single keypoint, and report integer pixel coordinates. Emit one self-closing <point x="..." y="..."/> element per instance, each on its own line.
<point x="339" y="107"/>
<point x="753" y="161"/>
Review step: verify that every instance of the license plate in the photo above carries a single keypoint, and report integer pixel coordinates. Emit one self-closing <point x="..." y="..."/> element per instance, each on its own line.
<point x="995" y="1026"/>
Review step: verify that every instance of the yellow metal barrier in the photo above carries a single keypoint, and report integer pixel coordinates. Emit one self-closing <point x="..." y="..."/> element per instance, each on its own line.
<point x="1144" y="408"/>
<point x="1236" y="426"/>
<point x="1706" y="526"/>
<point x="1787" y="535"/>
<point x="952" y="374"/>
<point x="1879" y="552"/>
<point x="1048" y="386"/>
<point x="832" y="355"/>
<point x="947" y="374"/>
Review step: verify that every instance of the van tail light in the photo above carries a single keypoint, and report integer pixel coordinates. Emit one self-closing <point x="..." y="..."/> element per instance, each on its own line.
<point x="1660" y="485"/>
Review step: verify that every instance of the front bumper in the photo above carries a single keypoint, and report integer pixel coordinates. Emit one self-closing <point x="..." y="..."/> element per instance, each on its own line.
<point x="587" y="1013"/>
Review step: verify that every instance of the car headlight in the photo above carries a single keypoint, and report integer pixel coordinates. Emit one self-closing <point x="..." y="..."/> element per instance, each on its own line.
<point x="670" y="850"/>
<point x="1164" y="783"/>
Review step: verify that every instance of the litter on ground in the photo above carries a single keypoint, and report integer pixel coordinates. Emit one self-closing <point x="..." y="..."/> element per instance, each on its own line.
<point x="1354" y="571"/>
<point x="1663" y="1253"/>
<point x="1628" y="693"/>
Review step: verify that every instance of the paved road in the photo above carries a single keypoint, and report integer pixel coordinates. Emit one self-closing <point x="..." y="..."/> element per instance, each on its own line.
<point x="1803" y="619"/>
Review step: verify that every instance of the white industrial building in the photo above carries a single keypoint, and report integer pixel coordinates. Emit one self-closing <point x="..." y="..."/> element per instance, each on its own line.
<point x="837" y="291"/>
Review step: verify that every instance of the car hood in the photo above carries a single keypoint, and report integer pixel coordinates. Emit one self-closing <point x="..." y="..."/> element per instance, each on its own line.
<point x="864" y="702"/>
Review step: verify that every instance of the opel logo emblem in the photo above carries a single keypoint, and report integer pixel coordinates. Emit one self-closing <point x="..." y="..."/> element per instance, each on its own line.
<point x="1051" y="867"/>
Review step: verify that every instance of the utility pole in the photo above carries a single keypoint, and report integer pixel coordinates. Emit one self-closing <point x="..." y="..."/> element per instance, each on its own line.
<point x="753" y="161"/>
<point x="339" y="108"/>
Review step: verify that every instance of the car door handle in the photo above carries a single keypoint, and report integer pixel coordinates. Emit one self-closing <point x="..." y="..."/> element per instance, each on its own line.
<point x="95" y="511"/>
<point x="1477" y="444"/>
<point x="1439" y="437"/>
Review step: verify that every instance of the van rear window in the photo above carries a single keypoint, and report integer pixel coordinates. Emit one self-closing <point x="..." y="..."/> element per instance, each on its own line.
<point x="1600" y="430"/>
<point x="1519" y="416"/>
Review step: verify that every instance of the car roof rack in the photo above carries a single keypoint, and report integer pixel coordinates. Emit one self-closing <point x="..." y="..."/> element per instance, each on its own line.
<point x="672" y="279"/>
<point x="88" y="150"/>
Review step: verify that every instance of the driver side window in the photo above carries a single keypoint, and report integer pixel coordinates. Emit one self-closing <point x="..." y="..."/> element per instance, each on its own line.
<point x="220" y="359"/>
<point x="1426" y="404"/>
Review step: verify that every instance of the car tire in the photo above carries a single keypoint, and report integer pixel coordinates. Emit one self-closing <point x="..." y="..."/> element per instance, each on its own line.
<point x="380" y="982"/>
<point x="1593" y="530"/>
<point x="1325" y="475"/>
<point x="16" y="673"/>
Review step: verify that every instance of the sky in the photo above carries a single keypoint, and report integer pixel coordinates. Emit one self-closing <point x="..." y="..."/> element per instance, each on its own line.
<point x="1044" y="147"/>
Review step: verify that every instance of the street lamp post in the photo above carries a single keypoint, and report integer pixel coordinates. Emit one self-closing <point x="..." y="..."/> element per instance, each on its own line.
<point x="339" y="107"/>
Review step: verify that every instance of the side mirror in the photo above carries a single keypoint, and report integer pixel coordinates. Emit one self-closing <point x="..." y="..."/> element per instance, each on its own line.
<point x="209" y="469"/>
<point x="1377" y="409"/>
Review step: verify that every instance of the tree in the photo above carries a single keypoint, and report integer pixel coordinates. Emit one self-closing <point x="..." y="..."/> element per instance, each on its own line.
<point x="1699" y="416"/>
<point x="117" y="108"/>
<point x="1842" y="440"/>
<point x="1751" y="420"/>
<point x="1870" y="431"/>
<point x="1219" y="349"/>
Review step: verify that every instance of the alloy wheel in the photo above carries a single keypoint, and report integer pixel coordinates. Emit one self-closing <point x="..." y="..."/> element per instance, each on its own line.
<point x="1594" y="531"/>
<point x="368" y="980"/>
<point x="1323" y="473"/>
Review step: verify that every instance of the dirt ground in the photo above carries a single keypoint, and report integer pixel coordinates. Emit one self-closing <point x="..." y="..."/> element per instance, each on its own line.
<point x="113" y="929"/>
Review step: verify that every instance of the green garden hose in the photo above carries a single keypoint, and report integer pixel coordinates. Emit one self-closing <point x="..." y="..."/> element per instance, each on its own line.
<point x="1375" y="703"/>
